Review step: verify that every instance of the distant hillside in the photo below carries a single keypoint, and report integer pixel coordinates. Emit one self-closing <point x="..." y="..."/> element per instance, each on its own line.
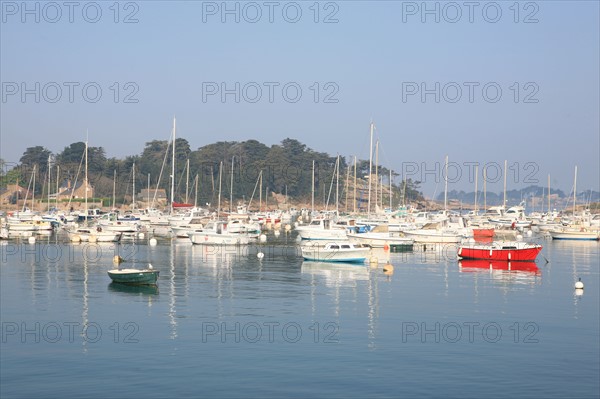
<point x="531" y="194"/>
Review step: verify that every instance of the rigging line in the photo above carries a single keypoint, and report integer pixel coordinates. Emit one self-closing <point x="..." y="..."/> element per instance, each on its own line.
<point x="162" y="168"/>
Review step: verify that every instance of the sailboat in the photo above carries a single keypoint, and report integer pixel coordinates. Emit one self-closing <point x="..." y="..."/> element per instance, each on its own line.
<point x="442" y="231"/>
<point x="86" y="233"/>
<point x="575" y="230"/>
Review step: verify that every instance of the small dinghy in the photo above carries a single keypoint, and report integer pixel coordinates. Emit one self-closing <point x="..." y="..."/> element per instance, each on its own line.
<point x="134" y="276"/>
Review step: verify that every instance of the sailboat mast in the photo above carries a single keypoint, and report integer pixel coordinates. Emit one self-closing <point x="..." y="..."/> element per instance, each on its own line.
<point x="376" y="173"/>
<point x="187" y="179"/>
<point x="575" y="191"/>
<point x="313" y="188"/>
<point x="57" y="183"/>
<point x="114" y="188"/>
<point x="173" y="166"/>
<point x="260" y="192"/>
<point x="231" y="188"/>
<point x="391" y="190"/>
<point x="49" y="182"/>
<point x="86" y="180"/>
<point x="548" y="193"/>
<point x="196" y="193"/>
<point x="148" y="194"/>
<point x="504" y="203"/>
<point x="133" y="192"/>
<point x="355" y="184"/>
<point x="476" y="177"/>
<point x="219" y="200"/>
<point x="346" y="186"/>
<point x="370" y="171"/>
<point x="446" y="185"/>
<point x="33" y="190"/>
<point x="484" y="189"/>
<point x="337" y="184"/>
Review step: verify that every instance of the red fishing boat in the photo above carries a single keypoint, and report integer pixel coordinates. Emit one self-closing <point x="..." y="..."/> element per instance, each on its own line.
<point x="500" y="250"/>
<point x="529" y="267"/>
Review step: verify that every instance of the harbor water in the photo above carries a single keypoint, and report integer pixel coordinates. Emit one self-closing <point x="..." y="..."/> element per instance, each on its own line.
<point x="223" y="323"/>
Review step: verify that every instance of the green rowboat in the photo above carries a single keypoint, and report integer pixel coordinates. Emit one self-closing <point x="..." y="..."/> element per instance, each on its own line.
<point x="134" y="276"/>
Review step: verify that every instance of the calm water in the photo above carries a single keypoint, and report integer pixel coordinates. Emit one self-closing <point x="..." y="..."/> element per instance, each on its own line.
<point x="227" y="325"/>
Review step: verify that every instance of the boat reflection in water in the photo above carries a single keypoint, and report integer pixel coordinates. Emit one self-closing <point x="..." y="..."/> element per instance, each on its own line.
<point x="521" y="267"/>
<point x="133" y="289"/>
<point x="338" y="273"/>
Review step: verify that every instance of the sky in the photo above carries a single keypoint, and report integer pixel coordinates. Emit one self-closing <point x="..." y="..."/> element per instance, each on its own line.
<point x="479" y="82"/>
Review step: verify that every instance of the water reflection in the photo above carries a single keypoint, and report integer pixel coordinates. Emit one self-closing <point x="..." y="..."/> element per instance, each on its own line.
<point x="134" y="290"/>
<point x="337" y="274"/>
<point x="512" y="272"/>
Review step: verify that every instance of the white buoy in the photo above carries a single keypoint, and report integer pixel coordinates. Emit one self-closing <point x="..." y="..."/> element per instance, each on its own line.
<point x="141" y="236"/>
<point x="260" y="255"/>
<point x="578" y="292"/>
<point x="31" y="240"/>
<point x="288" y="227"/>
<point x="277" y="233"/>
<point x="263" y="238"/>
<point x="579" y="285"/>
<point x="153" y="241"/>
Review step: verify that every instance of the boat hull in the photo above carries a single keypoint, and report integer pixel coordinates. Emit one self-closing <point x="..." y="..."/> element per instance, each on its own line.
<point x="351" y="254"/>
<point x="134" y="276"/>
<point x="322" y="256"/>
<point x="500" y="253"/>
<point x="209" y="238"/>
<point x="575" y="235"/>
<point x="423" y="236"/>
<point x="317" y="234"/>
<point x="97" y="236"/>
<point x="380" y="241"/>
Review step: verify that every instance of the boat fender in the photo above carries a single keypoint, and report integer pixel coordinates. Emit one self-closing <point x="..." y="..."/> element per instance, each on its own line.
<point x="513" y="225"/>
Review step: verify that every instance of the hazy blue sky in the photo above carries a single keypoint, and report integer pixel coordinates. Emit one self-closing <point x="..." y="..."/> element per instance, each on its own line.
<point x="375" y="58"/>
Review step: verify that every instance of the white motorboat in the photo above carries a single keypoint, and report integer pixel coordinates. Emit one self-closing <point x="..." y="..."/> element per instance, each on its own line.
<point x="379" y="237"/>
<point x="215" y="233"/>
<point x="321" y="229"/>
<point x="336" y="251"/>
<point x="93" y="234"/>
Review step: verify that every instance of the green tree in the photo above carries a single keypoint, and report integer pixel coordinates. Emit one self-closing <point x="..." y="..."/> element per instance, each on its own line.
<point x="38" y="156"/>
